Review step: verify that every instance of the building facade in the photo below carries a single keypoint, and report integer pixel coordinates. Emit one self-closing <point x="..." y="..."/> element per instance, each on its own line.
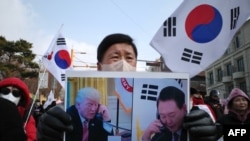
<point x="233" y="68"/>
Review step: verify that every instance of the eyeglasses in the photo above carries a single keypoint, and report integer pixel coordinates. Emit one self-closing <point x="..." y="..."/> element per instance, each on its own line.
<point x="6" y="91"/>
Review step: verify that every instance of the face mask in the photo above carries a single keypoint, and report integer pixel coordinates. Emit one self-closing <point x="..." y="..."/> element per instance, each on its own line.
<point x="11" y="98"/>
<point x="121" y="65"/>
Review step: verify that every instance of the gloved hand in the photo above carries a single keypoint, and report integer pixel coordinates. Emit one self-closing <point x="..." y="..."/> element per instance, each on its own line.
<point x="53" y="123"/>
<point x="200" y="126"/>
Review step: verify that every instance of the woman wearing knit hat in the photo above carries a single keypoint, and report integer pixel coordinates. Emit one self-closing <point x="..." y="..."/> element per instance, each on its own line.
<point x="238" y="104"/>
<point x="16" y="91"/>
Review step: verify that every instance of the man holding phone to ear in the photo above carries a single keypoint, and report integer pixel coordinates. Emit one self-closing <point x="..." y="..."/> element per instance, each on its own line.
<point x="171" y="110"/>
<point x="86" y="121"/>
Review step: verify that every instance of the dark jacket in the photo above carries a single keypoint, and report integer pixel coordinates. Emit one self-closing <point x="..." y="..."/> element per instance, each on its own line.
<point x="96" y="130"/>
<point x="233" y="119"/>
<point x="11" y="123"/>
<point x="215" y="106"/>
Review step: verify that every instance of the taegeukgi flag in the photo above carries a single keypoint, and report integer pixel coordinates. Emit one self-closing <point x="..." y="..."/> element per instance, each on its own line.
<point x="57" y="59"/>
<point x="199" y="32"/>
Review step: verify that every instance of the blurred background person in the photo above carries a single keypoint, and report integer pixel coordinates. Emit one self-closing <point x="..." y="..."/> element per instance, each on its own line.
<point x="213" y="100"/>
<point x="238" y="104"/>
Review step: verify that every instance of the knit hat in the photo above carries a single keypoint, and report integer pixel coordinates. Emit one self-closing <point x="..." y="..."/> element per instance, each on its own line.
<point x="18" y="83"/>
<point x="237" y="92"/>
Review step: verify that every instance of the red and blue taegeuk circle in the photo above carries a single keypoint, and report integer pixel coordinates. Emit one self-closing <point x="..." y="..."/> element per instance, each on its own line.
<point x="62" y="59"/>
<point x="203" y="23"/>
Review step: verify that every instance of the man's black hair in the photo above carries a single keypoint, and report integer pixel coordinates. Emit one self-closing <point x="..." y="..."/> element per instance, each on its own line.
<point x="113" y="39"/>
<point x="172" y="93"/>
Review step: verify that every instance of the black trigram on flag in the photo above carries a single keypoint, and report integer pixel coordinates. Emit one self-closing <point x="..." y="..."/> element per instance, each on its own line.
<point x="60" y="41"/>
<point x="63" y="77"/>
<point x="149" y="92"/>
<point x="189" y="55"/>
<point x="179" y="82"/>
<point x="169" y="27"/>
<point x="235" y="12"/>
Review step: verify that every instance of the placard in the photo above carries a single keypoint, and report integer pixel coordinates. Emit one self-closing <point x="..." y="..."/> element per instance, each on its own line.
<point x="129" y="96"/>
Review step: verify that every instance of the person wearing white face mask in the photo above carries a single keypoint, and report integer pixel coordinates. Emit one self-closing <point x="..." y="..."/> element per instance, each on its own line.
<point x="16" y="91"/>
<point x="120" y="65"/>
<point x="11" y="93"/>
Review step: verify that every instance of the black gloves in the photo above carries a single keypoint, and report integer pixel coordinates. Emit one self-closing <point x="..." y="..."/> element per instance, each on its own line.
<point x="53" y="123"/>
<point x="200" y="125"/>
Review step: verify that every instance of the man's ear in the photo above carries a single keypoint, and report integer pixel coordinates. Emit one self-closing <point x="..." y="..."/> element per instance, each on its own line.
<point x="99" y="66"/>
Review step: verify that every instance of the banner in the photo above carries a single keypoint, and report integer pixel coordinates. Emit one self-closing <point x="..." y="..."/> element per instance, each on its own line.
<point x="198" y="33"/>
<point x="57" y="59"/>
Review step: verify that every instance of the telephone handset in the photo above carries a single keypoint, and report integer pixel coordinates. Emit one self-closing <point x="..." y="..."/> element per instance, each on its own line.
<point x="98" y="115"/>
<point x="163" y="128"/>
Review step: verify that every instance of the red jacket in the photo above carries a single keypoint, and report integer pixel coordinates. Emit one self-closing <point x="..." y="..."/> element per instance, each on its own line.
<point x="23" y="104"/>
<point x="30" y="126"/>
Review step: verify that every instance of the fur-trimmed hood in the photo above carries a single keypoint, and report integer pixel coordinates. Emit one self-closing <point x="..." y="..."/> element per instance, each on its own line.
<point x="18" y="83"/>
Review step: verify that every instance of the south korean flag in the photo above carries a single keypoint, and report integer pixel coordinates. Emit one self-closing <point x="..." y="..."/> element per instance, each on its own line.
<point x="199" y="32"/>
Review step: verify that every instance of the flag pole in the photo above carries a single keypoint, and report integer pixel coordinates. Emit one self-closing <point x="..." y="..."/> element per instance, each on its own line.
<point x="37" y="90"/>
<point x="39" y="85"/>
<point x="117" y="117"/>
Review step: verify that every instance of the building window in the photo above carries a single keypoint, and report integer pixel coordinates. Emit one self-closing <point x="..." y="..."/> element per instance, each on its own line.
<point x="237" y="41"/>
<point x="240" y="64"/>
<point x="219" y="74"/>
<point x="211" y="78"/>
<point x="229" y="70"/>
<point x="229" y="89"/>
<point x="243" y="86"/>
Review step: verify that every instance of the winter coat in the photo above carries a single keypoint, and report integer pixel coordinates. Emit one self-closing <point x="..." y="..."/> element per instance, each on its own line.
<point x="233" y="118"/>
<point x="24" y="103"/>
<point x="11" y="124"/>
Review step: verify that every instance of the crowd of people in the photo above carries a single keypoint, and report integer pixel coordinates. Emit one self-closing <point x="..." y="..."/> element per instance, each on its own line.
<point x="117" y="52"/>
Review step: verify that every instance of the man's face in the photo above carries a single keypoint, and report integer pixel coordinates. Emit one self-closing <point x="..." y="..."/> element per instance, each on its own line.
<point x="88" y="108"/>
<point x="170" y="115"/>
<point x="118" y="52"/>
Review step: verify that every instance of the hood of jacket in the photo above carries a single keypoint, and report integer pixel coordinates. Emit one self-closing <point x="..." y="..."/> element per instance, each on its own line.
<point x="18" y="83"/>
<point x="235" y="93"/>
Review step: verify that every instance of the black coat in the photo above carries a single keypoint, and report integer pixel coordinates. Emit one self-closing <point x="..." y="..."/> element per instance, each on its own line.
<point x="96" y="130"/>
<point x="231" y="120"/>
<point x="11" y="123"/>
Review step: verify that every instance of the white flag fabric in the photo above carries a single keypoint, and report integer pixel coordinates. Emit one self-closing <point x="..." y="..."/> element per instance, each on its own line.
<point x="124" y="91"/>
<point x="199" y="32"/>
<point x="49" y="100"/>
<point x="57" y="59"/>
